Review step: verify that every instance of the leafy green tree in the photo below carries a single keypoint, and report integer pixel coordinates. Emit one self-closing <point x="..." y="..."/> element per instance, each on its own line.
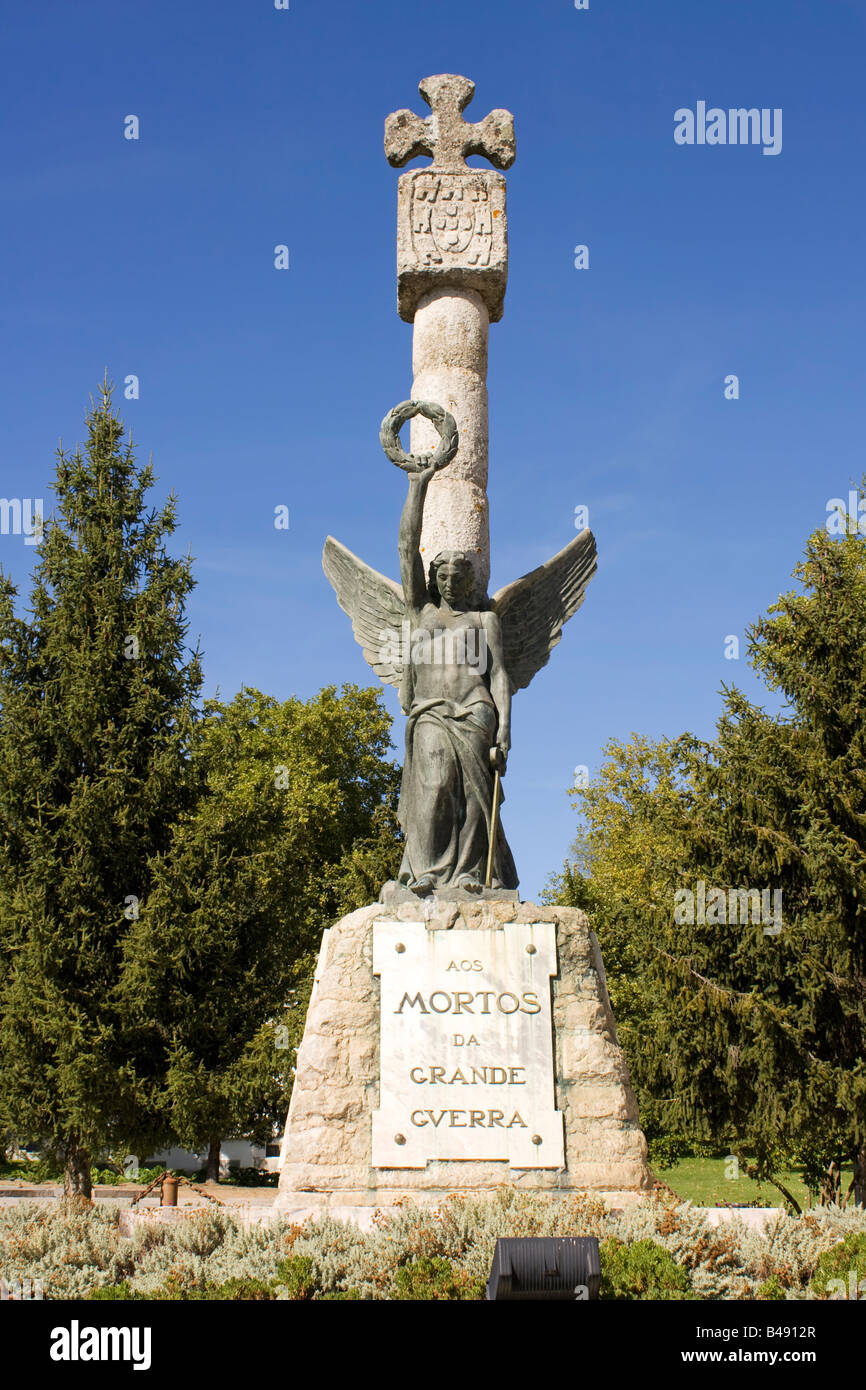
<point x="626" y="863"/>
<point x="97" y="695"/>
<point x="294" y="824"/>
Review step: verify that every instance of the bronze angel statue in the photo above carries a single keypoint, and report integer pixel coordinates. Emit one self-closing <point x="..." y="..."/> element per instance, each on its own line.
<point x="457" y="658"/>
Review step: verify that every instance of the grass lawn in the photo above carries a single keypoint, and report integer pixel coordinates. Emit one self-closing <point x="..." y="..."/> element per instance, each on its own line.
<point x="703" y="1181"/>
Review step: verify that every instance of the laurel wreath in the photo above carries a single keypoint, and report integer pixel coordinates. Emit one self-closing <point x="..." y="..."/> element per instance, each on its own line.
<point x="446" y="426"/>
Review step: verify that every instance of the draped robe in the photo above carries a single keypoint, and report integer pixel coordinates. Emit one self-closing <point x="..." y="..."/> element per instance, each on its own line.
<point x="446" y="797"/>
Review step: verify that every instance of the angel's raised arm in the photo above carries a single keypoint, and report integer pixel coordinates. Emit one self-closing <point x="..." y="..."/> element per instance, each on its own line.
<point x="409" y="540"/>
<point x="420" y="468"/>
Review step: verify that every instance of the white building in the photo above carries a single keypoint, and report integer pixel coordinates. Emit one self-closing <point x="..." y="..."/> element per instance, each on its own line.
<point x="234" y="1153"/>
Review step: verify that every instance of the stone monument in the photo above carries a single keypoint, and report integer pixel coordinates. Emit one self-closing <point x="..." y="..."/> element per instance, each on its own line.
<point x="456" y="1038"/>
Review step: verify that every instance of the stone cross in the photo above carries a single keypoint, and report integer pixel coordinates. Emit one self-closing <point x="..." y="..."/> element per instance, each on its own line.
<point x="445" y="136"/>
<point x="452" y="269"/>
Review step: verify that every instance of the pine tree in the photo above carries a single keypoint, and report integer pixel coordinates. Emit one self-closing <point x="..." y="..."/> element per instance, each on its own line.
<point x="740" y="1029"/>
<point x="97" y="695"/>
<point x="766" y="1034"/>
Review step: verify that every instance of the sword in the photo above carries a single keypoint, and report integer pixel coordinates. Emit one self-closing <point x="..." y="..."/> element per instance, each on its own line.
<point x="494" y="825"/>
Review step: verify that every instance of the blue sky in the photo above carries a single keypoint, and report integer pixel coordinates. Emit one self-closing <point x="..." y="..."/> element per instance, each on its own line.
<point x="262" y="387"/>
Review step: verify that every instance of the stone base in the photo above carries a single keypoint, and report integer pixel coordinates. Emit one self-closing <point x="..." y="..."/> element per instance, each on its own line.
<point x="394" y="894"/>
<point x="326" y="1159"/>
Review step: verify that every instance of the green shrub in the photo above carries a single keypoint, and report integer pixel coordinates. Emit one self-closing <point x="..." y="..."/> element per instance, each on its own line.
<point x="240" y="1177"/>
<point x="31" y="1170"/>
<point x="296" y="1276"/>
<point x="112" y="1177"/>
<point x="112" y="1293"/>
<point x="845" y="1262"/>
<point x="706" y="1148"/>
<point x="434" y="1279"/>
<point x="247" y="1290"/>
<point x="250" y="1177"/>
<point x="666" y="1150"/>
<point x="39" y="1170"/>
<point x="771" y="1291"/>
<point x="641" y="1271"/>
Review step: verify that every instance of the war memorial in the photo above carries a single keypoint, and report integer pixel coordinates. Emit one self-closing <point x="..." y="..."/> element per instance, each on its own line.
<point x="457" y="1038"/>
<point x="286" y="1016"/>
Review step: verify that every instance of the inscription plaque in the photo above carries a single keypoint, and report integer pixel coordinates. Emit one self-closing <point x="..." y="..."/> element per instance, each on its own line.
<point x="466" y="1046"/>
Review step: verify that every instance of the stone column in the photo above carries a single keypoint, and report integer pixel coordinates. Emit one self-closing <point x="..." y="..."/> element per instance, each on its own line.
<point x="452" y="268"/>
<point x="449" y="362"/>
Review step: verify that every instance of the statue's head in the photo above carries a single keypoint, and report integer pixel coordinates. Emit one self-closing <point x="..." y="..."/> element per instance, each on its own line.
<point x="452" y="578"/>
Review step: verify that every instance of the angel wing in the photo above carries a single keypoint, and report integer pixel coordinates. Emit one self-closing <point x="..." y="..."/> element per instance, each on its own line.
<point x="375" y="605"/>
<point x="532" y="610"/>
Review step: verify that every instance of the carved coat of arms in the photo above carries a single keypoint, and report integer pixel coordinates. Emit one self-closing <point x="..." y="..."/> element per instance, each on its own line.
<point x="451" y="218"/>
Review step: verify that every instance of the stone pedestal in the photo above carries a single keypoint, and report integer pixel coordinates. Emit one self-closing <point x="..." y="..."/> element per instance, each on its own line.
<point x="387" y="1105"/>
